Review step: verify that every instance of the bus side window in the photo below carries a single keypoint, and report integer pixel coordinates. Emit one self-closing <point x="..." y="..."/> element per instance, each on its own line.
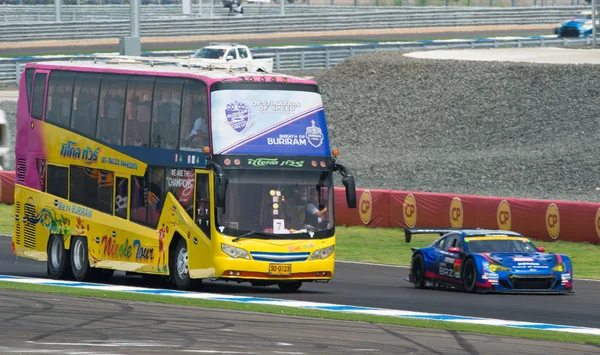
<point x="85" y="104"/>
<point x="29" y="84"/>
<point x="57" y="181"/>
<point x="139" y="198"/>
<point x="92" y="188"/>
<point x="111" y="109"/>
<point x="39" y="89"/>
<point x="60" y="95"/>
<point x="138" y="111"/>
<point x="203" y="203"/>
<point x="156" y="195"/>
<point x="166" y="113"/>
<point x="194" y="117"/>
<point x="121" y="191"/>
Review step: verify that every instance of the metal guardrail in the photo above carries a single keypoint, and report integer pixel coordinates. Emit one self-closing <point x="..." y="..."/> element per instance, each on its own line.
<point x="317" y="56"/>
<point x="190" y="26"/>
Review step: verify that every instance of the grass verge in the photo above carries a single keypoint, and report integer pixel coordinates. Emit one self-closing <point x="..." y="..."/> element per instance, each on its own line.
<point x="387" y="246"/>
<point x="279" y="310"/>
<point x="7" y="218"/>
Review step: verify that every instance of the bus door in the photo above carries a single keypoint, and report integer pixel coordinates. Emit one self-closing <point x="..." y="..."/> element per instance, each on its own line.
<point x="200" y="260"/>
<point x="203" y="210"/>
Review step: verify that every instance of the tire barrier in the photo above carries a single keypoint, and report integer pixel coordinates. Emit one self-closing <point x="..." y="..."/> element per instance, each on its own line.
<point x="546" y="220"/>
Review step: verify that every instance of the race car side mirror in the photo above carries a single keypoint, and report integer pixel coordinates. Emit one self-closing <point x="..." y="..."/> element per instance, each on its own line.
<point x="541" y="249"/>
<point x="454" y="250"/>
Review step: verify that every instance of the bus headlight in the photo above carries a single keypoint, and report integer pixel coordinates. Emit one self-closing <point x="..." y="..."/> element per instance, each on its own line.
<point x="235" y="252"/>
<point x="322" y="253"/>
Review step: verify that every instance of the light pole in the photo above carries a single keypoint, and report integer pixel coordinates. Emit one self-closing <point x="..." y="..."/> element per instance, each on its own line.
<point x="594" y="23"/>
<point x="131" y="45"/>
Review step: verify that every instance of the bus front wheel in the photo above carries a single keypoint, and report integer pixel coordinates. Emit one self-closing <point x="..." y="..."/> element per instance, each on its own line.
<point x="289" y="286"/>
<point x="179" y="266"/>
<point x="58" y="258"/>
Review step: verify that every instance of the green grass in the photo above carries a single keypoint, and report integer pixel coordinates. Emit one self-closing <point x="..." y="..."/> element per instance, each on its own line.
<point x="7" y="219"/>
<point x="387" y="246"/>
<point x="279" y="310"/>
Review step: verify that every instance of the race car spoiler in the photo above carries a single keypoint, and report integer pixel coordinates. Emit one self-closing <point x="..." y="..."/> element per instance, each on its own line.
<point x="409" y="232"/>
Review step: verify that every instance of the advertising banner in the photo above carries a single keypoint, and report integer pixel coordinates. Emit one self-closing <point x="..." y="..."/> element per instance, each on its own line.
<point x="266" y="121"/>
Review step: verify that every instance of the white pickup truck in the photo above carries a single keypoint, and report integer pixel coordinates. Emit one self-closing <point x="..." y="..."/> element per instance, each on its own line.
<point x="233" y="54"/>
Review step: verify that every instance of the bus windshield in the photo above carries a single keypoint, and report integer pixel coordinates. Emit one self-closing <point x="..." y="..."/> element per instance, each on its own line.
<point x="287" y="204"/>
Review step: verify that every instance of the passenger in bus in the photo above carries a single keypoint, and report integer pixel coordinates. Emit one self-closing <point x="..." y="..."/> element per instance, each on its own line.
<point x="139" y="109"/>
<point x="85" y="105"/>
<point x="166" y="121"/>
<point x="198" y="136"/>
<point x="59" y="104"/>
<point x="110" y="118"/>
<point x="193" y="121"/>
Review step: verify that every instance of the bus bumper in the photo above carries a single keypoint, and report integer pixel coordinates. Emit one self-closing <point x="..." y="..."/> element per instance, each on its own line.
<point x="249" y="270"/>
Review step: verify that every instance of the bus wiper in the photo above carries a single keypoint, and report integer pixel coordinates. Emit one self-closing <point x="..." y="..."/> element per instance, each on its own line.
<point x="251" y="233"/>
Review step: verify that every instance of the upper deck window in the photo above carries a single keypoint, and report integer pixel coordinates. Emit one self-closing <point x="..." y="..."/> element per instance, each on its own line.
<point x="39" y="88"/>
<point x="60" y="96"/>
<point x="85" y="103"/>
<point x="166" y="113"/>
<point x="111" y="109"/>
<point x="28" y="84"/>
<point x="138" y="111"/>
<point x="194" y="123"/>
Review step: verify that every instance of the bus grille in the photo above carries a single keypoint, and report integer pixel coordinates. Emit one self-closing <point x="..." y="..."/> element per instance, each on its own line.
<point x="21" y="169"/>
<point x="279" y="257"/>
<point x="29" y="239"/>
<point x="18" y="222"/>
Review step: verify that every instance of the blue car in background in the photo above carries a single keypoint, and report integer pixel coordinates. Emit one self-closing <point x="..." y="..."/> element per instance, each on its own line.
<point x="579" y="26"/>
<point x="487" y="261"/>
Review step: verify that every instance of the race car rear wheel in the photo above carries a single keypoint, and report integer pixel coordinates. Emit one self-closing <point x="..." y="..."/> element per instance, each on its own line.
<point x="469" y="275"/>
<point x="418" y="271"/>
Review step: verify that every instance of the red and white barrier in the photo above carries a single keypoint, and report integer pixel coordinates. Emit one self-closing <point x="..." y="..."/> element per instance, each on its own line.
<point x="7" y="187"/>
<point x="540" y="219"/>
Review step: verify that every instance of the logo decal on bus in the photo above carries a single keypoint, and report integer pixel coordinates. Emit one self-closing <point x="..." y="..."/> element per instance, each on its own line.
<point x="238" y="116"/>
<point x="72" y="150"/>
<point x="314" y="135"/>
<point x="275" y="162"/>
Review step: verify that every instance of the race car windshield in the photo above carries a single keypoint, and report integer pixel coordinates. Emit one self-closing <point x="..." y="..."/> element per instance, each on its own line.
<point x="501" y="246"/>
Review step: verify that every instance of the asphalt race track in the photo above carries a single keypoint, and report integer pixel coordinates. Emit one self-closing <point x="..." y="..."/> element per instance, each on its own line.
<point x="384" y="287"/>
<point x="60" y="324"/>
<point x="165" y="45"/>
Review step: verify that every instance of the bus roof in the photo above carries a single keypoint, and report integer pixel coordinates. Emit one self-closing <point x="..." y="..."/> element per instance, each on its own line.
<point x="167" y="67"/>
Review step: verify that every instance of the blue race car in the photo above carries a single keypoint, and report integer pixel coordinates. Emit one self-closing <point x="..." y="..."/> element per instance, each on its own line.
<point x="488" y="261"/>
<point x="579" y="26"/>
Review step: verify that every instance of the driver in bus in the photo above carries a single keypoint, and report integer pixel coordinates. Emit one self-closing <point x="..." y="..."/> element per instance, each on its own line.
<point x="315" y="212"/>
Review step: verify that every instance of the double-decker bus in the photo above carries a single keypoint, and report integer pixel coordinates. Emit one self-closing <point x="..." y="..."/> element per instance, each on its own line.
<point x="177" y="171"/>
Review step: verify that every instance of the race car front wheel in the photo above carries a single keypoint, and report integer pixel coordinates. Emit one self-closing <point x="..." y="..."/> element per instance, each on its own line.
<point x="470" y="276"/>
<point x="418" y="271"/>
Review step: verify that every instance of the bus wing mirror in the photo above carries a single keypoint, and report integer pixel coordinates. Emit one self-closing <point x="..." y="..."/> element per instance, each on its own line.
<point x="348" y="182"/>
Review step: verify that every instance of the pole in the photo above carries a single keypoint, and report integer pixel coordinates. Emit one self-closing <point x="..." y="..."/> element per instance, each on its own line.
<point x="594" y="23"/>
<point x="282" y="7"/>
<point x="57" y="10"/>
<point x="135" y="18"/>
<point x="211" y="8"/>
<point x="200" y="8"/>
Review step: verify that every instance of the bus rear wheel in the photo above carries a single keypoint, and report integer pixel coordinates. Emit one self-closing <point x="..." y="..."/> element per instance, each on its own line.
<point x="289" y="286"/>
<point x="58" y="264"/>
<point x="180" y="274"/>
<point x="80" y="263"/>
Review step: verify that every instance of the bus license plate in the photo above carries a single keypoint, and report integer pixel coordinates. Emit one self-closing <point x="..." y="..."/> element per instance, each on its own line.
<point x="280" y="269"/>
